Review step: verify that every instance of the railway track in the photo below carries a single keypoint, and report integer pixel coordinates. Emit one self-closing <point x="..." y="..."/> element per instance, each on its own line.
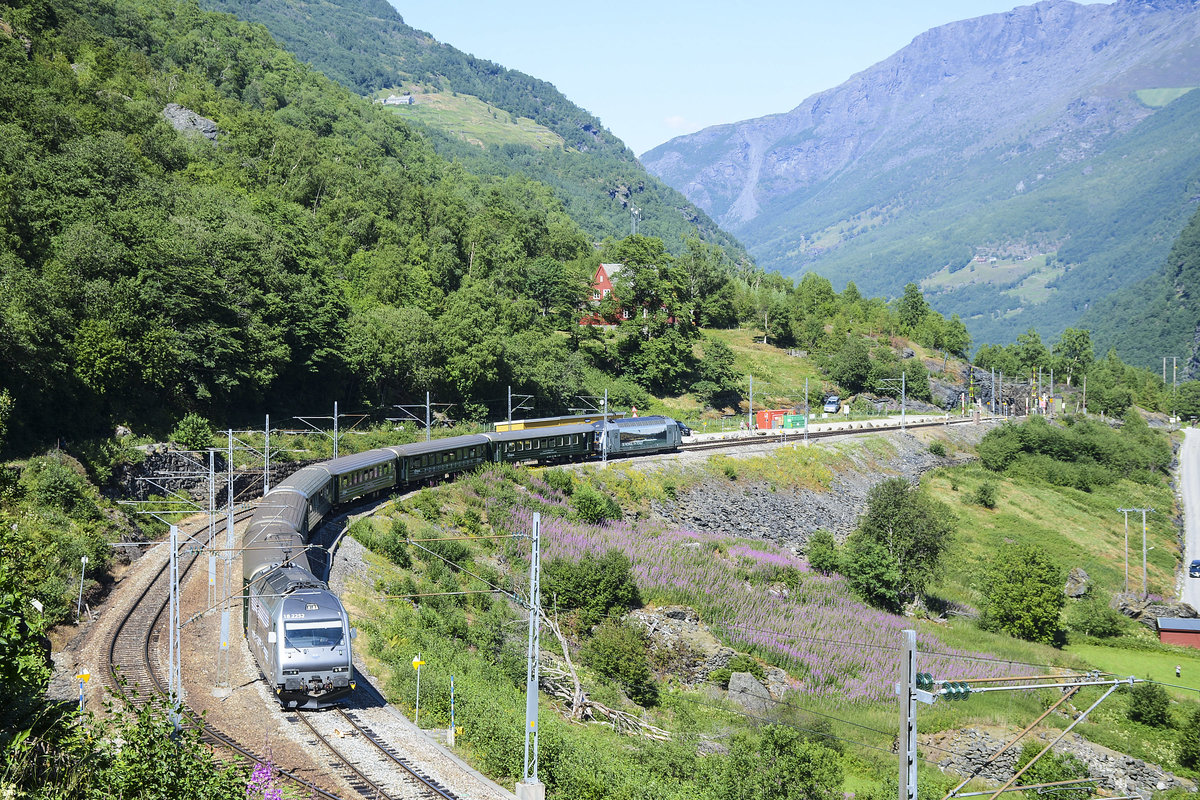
<point x="794" y="436"/>
<point x="370" y="760"/>
<point x="134" y="673"/>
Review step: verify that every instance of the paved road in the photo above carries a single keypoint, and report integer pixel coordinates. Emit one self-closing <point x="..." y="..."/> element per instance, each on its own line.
<point x="1189" y="480"/>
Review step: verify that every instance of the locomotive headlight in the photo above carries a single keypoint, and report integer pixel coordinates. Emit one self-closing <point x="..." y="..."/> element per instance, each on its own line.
<point x="291" y="672"/>
<point x="341" y="669"/>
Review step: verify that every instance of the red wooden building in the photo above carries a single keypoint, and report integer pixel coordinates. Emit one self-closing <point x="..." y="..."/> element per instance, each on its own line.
<point x="1174" y="630"/>
<point x="602" y="289"/>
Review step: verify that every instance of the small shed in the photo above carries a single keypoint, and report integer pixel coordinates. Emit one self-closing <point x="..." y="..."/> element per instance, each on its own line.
<point x="1174" y="630"/>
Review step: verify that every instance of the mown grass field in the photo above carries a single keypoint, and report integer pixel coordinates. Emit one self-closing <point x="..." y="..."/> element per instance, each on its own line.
<point x="473" y="120"/>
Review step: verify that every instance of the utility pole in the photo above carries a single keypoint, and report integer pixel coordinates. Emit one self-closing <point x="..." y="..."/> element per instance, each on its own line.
<point x="750" y="409"/>
<point x="1126" y="511"/>
<point x="358" y="418"/>
<point x="530" y="788"/>
<point x="806" y="412"/>
<point x="890" y="383"/>
<point x="522" y="399"/>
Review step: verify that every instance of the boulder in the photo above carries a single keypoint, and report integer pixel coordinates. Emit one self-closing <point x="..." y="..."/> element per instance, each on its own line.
<point x="1078" y="583"/>
<point x="747" y="691"/>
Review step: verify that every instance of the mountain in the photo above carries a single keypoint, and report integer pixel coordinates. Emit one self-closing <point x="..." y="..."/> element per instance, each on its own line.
<point x="1021" y="166"/>
<point x="474" y="110"/>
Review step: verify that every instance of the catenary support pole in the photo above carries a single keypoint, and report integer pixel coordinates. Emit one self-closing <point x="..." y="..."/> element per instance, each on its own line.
<point x="532" y="662"/>
<point x="428" y="421"/>
<point x="907" y="689"/>
<point x="267" y="456"/>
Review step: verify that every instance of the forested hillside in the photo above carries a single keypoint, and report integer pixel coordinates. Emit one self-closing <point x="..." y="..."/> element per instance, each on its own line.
<point x="1159" y="316"/>
<point x="365" y="45"/>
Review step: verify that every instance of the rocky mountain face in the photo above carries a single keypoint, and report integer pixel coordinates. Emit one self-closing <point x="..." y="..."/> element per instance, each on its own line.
<point x="1009" y="136"/>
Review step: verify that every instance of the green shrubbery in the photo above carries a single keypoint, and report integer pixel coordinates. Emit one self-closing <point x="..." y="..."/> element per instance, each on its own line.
<point x="1024" y="594"/>
<point x="594" y="506"/>
<point x="1083" y="454"/>
<point x="593" y="587"/>
<point x="1150" y="705"/>
<point x="617" y="651"/>
<point x="822" y="552"/>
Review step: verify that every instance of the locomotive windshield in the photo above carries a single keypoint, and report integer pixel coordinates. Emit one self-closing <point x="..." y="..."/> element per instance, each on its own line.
<point x="312" y="634"/>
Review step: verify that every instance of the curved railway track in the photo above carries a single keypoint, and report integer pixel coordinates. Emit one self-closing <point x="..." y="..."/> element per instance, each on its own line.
<point x="134" y="673"/>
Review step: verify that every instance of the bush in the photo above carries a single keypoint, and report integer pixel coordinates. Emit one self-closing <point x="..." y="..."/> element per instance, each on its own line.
<point x="1051" y="768"/>
<point x="985" y="495"/>
<point x="1092" y="616"/>
<point x="561" y="480"/>
<point x="938" y="449"/>
<point x="822" y="552"/>
<point x="595" y="586"/>
<point x="618" y="652"/>
<point x="594" y="506"/>
<point x="1149" y="705"/>
<point x="193" y="432"/>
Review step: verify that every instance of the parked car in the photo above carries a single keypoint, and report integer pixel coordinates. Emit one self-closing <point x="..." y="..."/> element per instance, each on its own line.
<point x="1194" y="569"/>
<point x="833" y="404"/>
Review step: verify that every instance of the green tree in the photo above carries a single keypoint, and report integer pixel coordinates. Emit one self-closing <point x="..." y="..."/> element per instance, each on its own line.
<point x="850" y="366"/>
<point x="912" y="307"/>
<point x="956" y="339"/>
<point x="1150" y="705"/>
<point x="193" y="432"/>
<point x="779" y="764"/>
<point x="1023" y="594"/>
<point x="821" y="552"/>
<point x="1029" y="351"/>
<point x="897" y="548"/>
<point x="1073" y="353"/>
<point x="595" y="586"/>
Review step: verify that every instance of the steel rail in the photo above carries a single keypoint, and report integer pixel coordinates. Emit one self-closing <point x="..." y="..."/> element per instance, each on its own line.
<point x="371" y="737"/>
<point x="366" y="786"/>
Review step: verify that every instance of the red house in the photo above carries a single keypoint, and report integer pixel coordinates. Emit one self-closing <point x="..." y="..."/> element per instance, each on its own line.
<point x="602" y="289"/>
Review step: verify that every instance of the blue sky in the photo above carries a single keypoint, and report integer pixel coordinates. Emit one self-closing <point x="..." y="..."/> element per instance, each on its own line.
<point x="655" y="69"/>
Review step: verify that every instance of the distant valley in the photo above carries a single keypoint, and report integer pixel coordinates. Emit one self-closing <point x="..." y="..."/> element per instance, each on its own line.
<point x="1019" y="166"/>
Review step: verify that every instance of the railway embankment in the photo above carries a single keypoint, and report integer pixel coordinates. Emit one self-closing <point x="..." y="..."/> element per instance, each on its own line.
<point x="787" y="517"/>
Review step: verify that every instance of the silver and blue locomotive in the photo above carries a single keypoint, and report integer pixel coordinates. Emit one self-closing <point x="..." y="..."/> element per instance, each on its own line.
<point x="296" y="628"/>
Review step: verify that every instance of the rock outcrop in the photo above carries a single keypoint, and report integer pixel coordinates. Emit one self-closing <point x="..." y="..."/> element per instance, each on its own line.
<point x="187" y="121"/>
<point x="963" y="752"/>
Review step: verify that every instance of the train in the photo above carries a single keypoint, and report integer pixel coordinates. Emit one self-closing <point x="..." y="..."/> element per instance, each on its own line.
<point x="296" y="628"/>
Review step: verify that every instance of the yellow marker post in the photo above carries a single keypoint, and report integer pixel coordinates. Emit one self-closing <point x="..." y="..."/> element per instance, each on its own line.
<point x="417" y="664"/>
<point x="84" y="676"/>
